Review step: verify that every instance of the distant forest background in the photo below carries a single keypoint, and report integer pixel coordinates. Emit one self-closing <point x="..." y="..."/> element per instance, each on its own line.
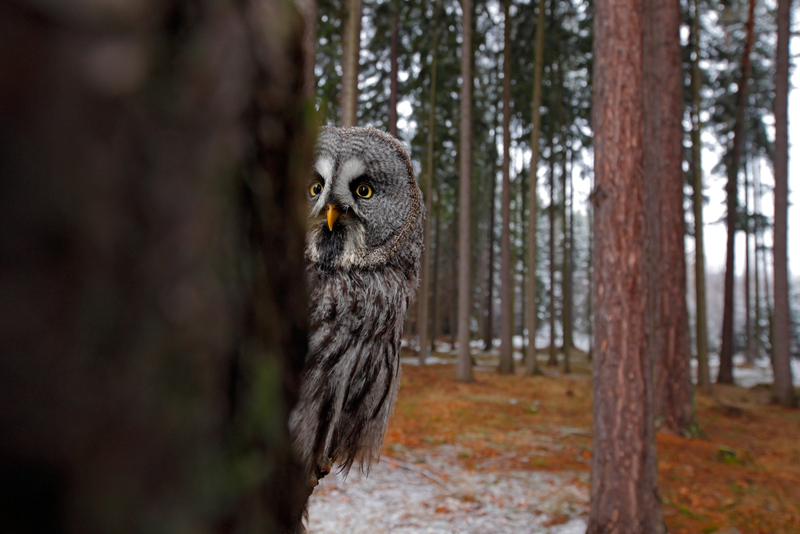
<point x="408" y="82"/>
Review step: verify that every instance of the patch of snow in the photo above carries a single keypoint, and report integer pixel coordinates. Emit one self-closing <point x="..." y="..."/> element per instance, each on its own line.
<point x="744" y="376"/>
<point x="430" y="360"/>
<point x="434" y="494"/>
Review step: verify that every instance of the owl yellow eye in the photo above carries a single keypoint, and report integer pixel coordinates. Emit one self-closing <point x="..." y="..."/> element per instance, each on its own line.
<point x="364" y="191"/>
<point x="316" y="189"/>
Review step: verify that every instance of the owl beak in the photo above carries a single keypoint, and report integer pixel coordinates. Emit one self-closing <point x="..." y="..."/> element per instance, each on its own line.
<point x="333" y="214"/>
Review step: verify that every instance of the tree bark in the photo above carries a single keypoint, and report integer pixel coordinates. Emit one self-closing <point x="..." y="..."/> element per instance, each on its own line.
<point x="750" y="347"/>
<point x="351" y="49"/>
<point x="489" y="333"/>
<point x="725" y="375"/>
<point x="152" y="288"/>
<point x="624" y="484"/>
<point x="566" y="314"/>
<point x="532" y="366"/>
<point x="393" y="74"/>
<point x="506" y="290"/>
<point x="552" y="360"/>
<point x="464" y="364"/>
<point x="783" y="390"/>
<point x="424" y="284"/>
<point x="435" y="313"/>
<point x="701" y="320"/>
<point x="668" y="328"/>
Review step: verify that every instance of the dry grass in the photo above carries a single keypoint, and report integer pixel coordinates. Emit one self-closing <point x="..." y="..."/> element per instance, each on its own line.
<point x="744" y="472"/>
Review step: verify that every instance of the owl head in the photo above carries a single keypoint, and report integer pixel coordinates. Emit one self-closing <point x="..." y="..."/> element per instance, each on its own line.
<point x="365" y="208"/>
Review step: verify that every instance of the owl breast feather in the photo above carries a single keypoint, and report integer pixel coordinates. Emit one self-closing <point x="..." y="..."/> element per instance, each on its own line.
<point x="352" y="370"/>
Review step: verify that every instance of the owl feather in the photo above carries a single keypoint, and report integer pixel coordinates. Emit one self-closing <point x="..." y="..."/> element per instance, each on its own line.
<point x="363" y="252"/>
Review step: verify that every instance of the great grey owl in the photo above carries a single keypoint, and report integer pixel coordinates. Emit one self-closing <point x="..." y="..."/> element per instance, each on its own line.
<point x="363" y="251"/>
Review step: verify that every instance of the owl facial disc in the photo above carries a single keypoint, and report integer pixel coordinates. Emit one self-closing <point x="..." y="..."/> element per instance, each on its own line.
<point x="363" y="199"/>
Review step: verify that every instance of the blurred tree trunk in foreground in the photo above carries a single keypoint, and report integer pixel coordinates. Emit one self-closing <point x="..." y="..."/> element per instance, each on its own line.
<point x="624" y="485"/>
<point x="152" y="296"/>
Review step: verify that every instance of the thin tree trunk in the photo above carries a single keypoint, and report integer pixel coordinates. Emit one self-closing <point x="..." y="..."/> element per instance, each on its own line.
<point x="767" y="292"/>
<point x="464" y="365"/>
<point x="624" y="482"/>
<point x="435" y="313"/>
<point x="750" y="350"/>
<point x="532" y="366"/>
<point x="351" y="48"/>
<point x="756" y="292"/>
<point x="668" y="339"/>
<point x="566" y="315"/>
<point x="393" y="76"/>
<point x="783" y="390"/>
<point x="506" y="289"/>
<point x="153" y="310"/>
<point x="521" y="254"/>
<point x="489" y="333"/>
<point x="552" y="360"/>
<point x="590" y="274"/>
<point x="452" y="309"/>
<point x="701" y="321"/>
<point x="759" y="332"/>
<point x="424" y="285"/>
<point x="725" y="375"/>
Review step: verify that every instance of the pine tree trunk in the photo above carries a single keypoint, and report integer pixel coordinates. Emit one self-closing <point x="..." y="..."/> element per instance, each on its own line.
<point x="783" y="390"/>
<point x="532" y="366"/>
<point x="590" y="273"/>
<point x="435" y="312"/>
<point x="489" y="333"/>
<point x="452" y="308"/>
<point x="464" y="364"/>
<point x="351" y="49"/>
<point x="566" y="316"/>
<point x="424" y="283"/>
<point x="668" y="340"/>
<point x="393" y="76"/>
<point x="750" y="350"/>
<point x="759" y="333"/>
<point x="701" y="321"/>
<point x="519" y="257"/>
<point x="624" y="482"/>
<point x="506" y="290"/>
<point x="725" y="375"/>
<point x="767" y="292"/>
<point x="153" y="313"/>
<point x="552" y="359"/>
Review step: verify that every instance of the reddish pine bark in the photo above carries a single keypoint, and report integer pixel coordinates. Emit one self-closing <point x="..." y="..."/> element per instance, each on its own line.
<point x="624" y="485"/>
<point x="668" y="340"/>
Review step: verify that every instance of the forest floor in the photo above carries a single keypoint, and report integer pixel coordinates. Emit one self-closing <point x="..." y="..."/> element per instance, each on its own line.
<point x="513" y="454"/>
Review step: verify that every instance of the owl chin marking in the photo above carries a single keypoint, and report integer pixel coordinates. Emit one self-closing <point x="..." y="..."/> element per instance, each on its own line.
<point x="330" y="245"/>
